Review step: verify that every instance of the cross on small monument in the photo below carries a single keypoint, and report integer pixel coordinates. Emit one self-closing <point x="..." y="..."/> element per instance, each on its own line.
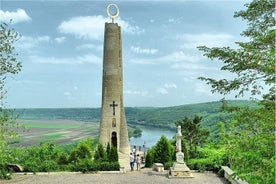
<point x="113" y="105"/>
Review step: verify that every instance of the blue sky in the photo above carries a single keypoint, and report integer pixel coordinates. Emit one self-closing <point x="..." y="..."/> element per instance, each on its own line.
<point x="62" y="45"/>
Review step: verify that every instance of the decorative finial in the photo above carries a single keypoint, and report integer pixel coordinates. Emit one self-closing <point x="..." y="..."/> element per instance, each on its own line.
<point x="114" y="15"/>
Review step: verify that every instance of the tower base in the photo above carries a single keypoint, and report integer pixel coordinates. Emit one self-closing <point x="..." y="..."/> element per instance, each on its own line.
<point x="124" y="162"/>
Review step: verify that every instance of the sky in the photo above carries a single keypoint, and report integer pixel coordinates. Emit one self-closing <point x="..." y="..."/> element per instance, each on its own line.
<point x="61" y="50"/>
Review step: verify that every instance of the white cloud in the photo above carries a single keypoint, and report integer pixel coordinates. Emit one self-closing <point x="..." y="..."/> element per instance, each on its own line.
<point x="29" y="82"/>
<point x="202" y="89"/>
<point x="175" y="20"/>
<point x="67" y="93"/>
<point x="140" y="50"/>
<point x="17" y="16"/>
<point x="27" y="43"/>
<point x="177" y="56"/>
<point x="165" y="88"/>
<point x="90" y="58"/>
<point x="60" y="39"/>
<point x="193" y="66"/>
<point x="92" y="27"/>
<point x="141" y="93"/>
<point x="43" y="38"/>
<point x="172" y="85"/>
<point x="89" y="46"/>
<point x="210" y="40"/>
<point x="162" y="91"/>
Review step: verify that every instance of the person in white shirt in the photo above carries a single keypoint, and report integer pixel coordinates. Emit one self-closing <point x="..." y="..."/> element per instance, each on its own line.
<point x="131" y="160"/>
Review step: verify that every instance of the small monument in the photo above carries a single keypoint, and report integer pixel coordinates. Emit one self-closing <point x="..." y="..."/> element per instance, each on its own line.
<point x="113" y="125"/>
<point x="179" y="169"/>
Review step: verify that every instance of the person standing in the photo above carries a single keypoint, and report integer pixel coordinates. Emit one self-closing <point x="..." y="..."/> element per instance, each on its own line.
<point x="131" y="160"/>
<point x="138" y="162"/>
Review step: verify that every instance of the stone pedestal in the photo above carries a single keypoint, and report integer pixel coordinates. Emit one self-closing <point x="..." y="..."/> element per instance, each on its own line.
<point x="180" y="170"/>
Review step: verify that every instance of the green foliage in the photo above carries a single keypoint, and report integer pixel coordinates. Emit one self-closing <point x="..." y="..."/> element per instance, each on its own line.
<point x="43" y="158"/>
<point x="63" y="159"/>
<point x="8" y="61"/>
<point x="252" y="61"/>
<point x="250" y="139"/>
<point x="209" y="158"/>
<point x="193" y="133"/>
<point x="156" y="117"/>
<point x="168" y="165"/>
<point x="8" y="65"/>
<point x="149" y="157"/>
<point x="4" y="173"/>
<point x="83" y="151"/>
<point x="134" y="131"/>
<point x="250" y="145"/>
<point x="163" y="151"/>
<point x="49" y="157"/>
<point x="87" y="165"/>
<point x="112" y="154"/>
<point x="100" y="153"/>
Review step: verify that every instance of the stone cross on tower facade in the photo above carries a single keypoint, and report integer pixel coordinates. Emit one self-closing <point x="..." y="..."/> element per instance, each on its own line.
<point x="113" y="105"/>
<point x="113" y="125"/>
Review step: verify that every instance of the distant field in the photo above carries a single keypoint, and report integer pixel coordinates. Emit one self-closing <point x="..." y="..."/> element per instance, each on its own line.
<point x="56" y="131"/>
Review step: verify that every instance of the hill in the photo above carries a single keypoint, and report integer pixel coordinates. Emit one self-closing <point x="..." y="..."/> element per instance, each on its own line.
<point x="149" y="116"/>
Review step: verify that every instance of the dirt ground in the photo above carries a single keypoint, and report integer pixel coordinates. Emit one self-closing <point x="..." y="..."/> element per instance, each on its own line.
<point x="136" y="177"/>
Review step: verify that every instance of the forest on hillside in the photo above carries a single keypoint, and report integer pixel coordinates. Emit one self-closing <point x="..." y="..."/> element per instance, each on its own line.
<point x="162" y="117"/>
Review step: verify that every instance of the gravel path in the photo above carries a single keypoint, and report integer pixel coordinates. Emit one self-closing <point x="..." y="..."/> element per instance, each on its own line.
<point x="144" y="176"/>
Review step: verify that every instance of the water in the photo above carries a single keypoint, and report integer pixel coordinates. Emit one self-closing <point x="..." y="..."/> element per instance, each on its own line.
<point x="150" y="136"/>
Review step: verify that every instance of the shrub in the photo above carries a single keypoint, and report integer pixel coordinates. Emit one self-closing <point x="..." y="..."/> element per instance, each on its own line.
<point x="163" y="151"/>
<point x="87" y="165"/>
<point x="48" y="165"/>
<point x="112" y="154"/>
<point x="100" y="153"/>
<point x="209" y="158"/>
<point x="63" y="159"/>
<point x="167" y="165"/>
<point x="149" y="158"/>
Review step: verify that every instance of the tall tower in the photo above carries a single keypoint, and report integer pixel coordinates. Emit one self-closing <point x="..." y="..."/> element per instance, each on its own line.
<point x="113" y="126"/>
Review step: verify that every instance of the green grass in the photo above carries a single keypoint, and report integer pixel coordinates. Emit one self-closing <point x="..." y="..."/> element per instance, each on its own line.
<point x="46" y="125"/>
<point x="51" y="137"/>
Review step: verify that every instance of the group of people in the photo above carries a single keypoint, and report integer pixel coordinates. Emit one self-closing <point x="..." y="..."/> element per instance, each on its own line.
<point x="135" y="159"/>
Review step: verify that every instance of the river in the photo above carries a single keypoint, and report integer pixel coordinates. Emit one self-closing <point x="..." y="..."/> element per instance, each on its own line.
<point x="150" y="136"/>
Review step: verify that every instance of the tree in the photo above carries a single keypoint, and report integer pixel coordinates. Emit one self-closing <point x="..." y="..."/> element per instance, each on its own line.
<point x="163" y="151"/>
<point x="100" y="153"/>
<point x="250" y="138"/>
<point x="8" y="61"/>
<point x="112" y="154"/>
<point x="8" y="65"/>
<point x="254" y="61"/>
<point x="193" y="133"/>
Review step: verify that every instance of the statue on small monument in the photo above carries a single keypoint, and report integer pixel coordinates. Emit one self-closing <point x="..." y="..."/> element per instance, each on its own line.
<point x="179" y="154"/>
<point x="179" y="169"/>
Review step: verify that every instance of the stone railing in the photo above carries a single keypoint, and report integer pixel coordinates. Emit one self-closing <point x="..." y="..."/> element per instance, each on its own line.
<point x="233" y="180"/>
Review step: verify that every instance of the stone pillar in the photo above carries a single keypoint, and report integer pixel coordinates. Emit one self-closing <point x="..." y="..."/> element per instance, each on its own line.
<point x="113" y="125"/>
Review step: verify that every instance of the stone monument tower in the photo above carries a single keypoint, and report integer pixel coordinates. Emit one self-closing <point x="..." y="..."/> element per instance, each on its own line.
<point x="113" y="125"/>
